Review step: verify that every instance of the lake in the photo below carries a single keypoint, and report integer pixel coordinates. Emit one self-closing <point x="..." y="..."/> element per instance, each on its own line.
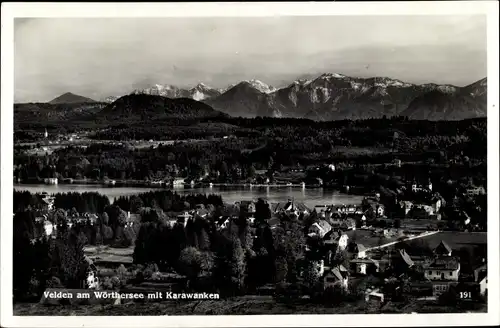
<point x="310" y="197"/>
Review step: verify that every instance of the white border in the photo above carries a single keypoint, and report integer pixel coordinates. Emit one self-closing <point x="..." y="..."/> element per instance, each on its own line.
<point x="11" y="10"/>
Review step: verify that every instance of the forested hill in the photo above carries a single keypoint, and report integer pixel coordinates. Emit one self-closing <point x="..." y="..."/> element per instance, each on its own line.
<point x="149" y="107"/>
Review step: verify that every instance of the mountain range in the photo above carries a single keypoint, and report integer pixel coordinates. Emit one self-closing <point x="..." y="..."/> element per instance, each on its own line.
<point x="327" y="97"/>
<point x="336" y="96"/>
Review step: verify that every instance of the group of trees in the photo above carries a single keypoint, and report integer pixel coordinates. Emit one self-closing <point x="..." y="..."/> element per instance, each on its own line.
<point x="167" y="200"/>
<point x="39" y="262"/>
<point x="236" y="259"/>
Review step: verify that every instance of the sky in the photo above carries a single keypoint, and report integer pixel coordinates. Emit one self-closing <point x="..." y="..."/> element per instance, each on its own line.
<point x="100" y="57"/>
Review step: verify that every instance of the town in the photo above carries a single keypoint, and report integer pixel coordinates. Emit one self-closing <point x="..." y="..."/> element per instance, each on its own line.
<point x="380" y="252"/>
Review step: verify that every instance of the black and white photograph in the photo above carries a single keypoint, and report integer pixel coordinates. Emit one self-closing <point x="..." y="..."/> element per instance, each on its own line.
<point x="233" y="160"/>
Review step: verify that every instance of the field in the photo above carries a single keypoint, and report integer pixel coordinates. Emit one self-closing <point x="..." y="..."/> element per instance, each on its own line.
<point x="110" y="254"/>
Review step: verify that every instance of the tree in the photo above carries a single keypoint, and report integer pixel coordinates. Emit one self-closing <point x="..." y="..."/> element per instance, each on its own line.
<point x="311" y="274"/>
<point x="73" y="264"/>
<point x="203" y="240"/>
<point x="281" y="269"/>
<point x="190" y="262"/>
<point x="135" y="203"/>
<point x="237" y="264"/>
<point x="262" y="211"/>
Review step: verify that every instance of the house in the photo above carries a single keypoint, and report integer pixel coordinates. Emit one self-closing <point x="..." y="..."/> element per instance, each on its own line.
<point x="365" y="265"/>
<point x="48" y="203"/>
<point x="223" y="222"/>
<point x="480" y="272"/>
<point x="348" y="224"/>
<point x="359" y="218"/>
<point x="483" y="286"/>
<point x="373" y="207"/>
<point x="421" y="211"/>
<point x="421" y="187"/>
<point x="49" y="228"/>
<point x="444" y="268"/>
<point x="406" y="206"/>
<point x="290" y="207"/>
<point x="374" y="295"/>
<point x="171" y="222"/>
<point x="403" y="261"/>
<point x="92" y="278"/>
<point x="247" y="206"/>
<point x="336" y="277"/>
<point x="440" y="287"/>
<point x="178" y="182"/>
<point x="320" y="228"/>
<point x="361" y="251"/>
<point x="347" y="209"/>
<point x="475" y="191"/>
<point x="342" y="241"/>
<point x="436" y="203"/>
<point x="132" y="219"/>
<point x="442" y="249"/>
<point x="183" y="218"/>
<point x="50" y="181"/>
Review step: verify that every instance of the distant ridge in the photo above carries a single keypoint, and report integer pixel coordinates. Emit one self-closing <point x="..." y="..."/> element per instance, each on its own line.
<point x="334" y="96"/>
<point x="71" y="98"/>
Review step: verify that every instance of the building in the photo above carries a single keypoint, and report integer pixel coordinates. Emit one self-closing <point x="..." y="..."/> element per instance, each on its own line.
<point x="247" y="206"/>
<point x="336" y="277"/>
<point x="483" y="286"/>
<point x="421" y="211"/>
<point x="50" y="181"/>
<point x="48" y="203"/>
<point x="396" y="162"/>
<point x="178" y="182"/>
<point x="406" y="207"/>
<point x="348" y="224"/>
<point x="290" y="207"/>
<point x="372" y="207"/>
<point x="444" y="268"/>
<point x="475" y="191"/>
<point x="342" y="241"/>
<point x="360" y="251"/>
<point x="49" y="228"/>
<point x="442" y="249"/>
<point x="364" y="266"/>
<point x="374" y="295"/>
<point x="184" y="218"/>
<point x="92" y="278"/>
<point x="320" y="228"/>
<point x="427" y="187"/>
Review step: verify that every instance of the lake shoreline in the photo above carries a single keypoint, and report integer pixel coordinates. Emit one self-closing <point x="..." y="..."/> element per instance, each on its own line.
<point x="230" y="194"/>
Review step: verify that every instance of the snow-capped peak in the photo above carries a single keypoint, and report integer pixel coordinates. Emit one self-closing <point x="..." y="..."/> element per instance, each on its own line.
<point x="261" y="86"/>
<point x="332" y="75"/>
<point x="110" y="99"/>
<point x="202" y="85"/>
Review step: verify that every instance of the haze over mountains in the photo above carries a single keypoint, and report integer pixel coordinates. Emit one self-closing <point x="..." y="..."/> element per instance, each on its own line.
<point x="327" y="97"/>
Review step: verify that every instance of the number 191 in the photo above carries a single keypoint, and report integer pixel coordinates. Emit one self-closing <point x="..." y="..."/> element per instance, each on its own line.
<point x="465" y="295"/>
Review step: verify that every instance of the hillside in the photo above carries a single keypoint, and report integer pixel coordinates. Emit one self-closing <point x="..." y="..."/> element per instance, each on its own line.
<point x="46" y="112"/>
<point x="71" y="98"/>
<point x="146" y="107"/>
